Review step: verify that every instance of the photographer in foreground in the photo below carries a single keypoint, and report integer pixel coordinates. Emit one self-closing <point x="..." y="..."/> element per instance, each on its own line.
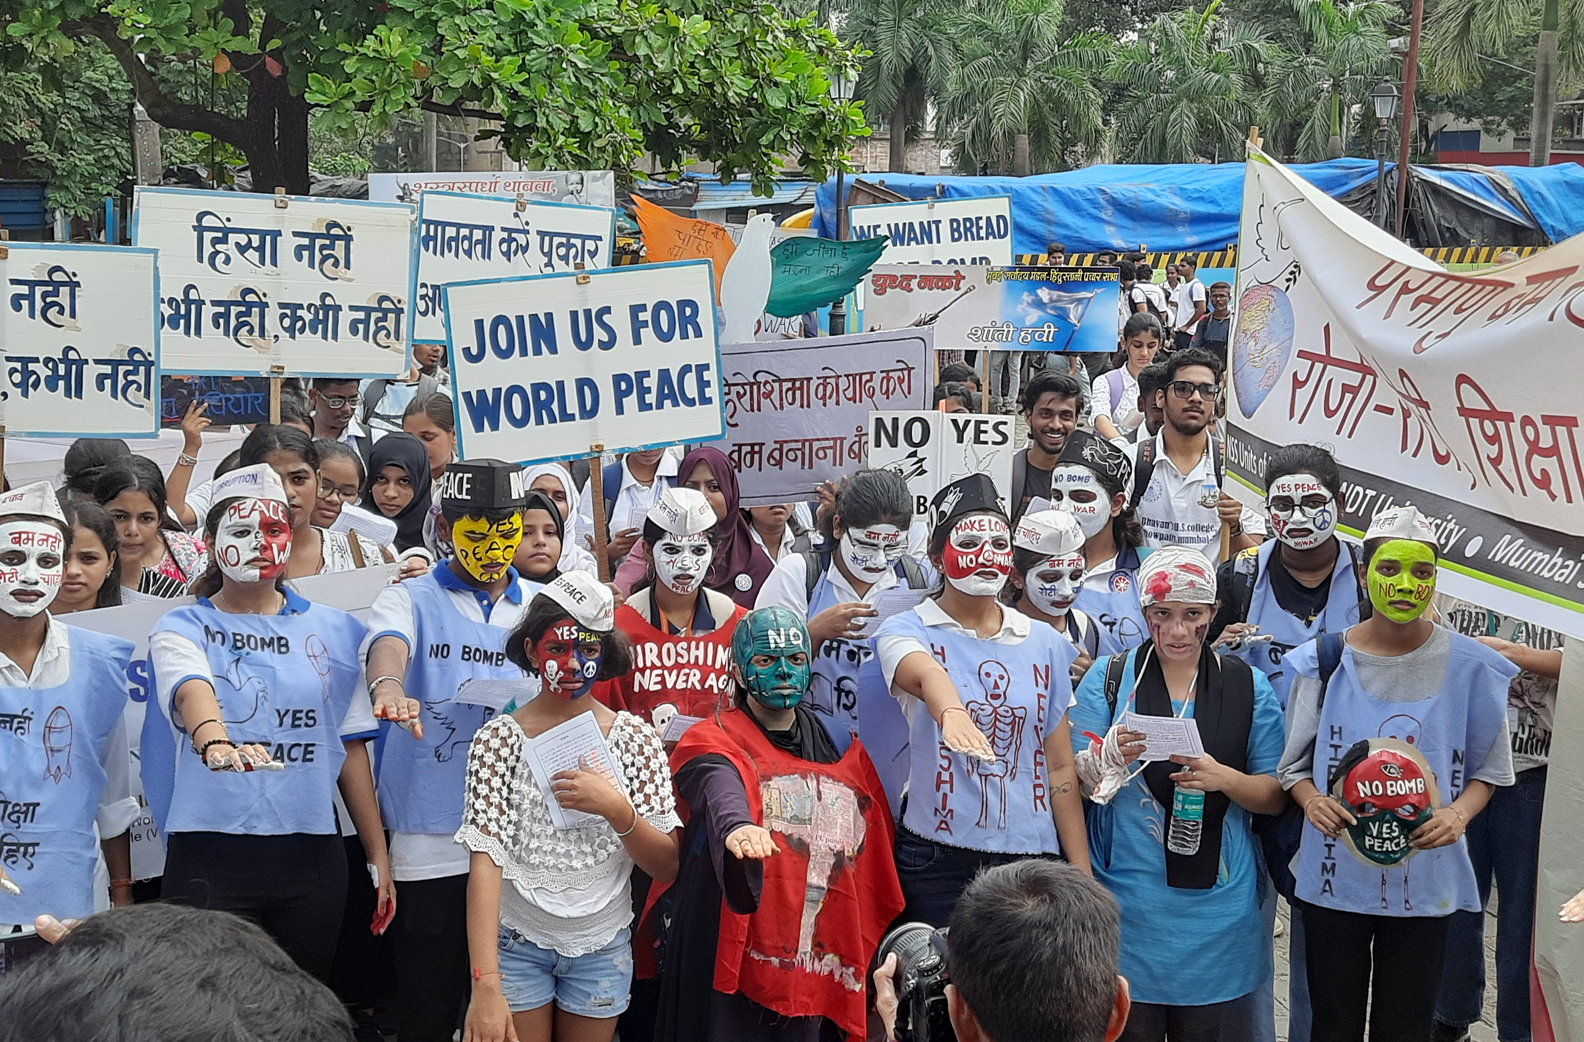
<point x="1031" y="955"/>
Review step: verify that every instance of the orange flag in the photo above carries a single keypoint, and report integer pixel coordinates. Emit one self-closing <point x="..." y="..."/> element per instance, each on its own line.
<point x="668" y="237"/>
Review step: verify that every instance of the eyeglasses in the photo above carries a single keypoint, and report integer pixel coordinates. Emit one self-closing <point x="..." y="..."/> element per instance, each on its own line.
<point x="344" y="494"/>
<point x="1185" y="390"/>
<point x="1284" y="507"/>
<point x="342" y="403"/>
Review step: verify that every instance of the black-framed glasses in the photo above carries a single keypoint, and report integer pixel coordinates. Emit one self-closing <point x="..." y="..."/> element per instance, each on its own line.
<point x="345" y="495"/>
<point x="342" y="403"/>
<point x="1185" y="389"/>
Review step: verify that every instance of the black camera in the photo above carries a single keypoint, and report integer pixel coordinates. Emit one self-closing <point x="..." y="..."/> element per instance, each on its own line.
<point x="920" y="982"/>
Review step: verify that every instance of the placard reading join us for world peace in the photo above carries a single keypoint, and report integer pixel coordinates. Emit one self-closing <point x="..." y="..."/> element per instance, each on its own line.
<point x="79" y="341"/>
<point x="280" y="285"/>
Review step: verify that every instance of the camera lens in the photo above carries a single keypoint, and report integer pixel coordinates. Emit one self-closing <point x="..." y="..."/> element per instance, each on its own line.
<point x="915" y="951"/>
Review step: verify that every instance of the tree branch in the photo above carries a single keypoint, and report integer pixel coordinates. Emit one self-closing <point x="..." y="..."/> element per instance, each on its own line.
<point x="456" y="109"/>
<point x="163" y="110"/>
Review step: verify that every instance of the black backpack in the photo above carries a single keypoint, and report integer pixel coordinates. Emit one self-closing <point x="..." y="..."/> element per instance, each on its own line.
<point x="818" y="562"/>
<point x="1144" y="467"/>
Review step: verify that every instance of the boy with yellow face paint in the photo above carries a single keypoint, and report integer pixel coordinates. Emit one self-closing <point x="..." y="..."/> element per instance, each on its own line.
<point x="427" y="637"/>
<point x="1443" y="694"/>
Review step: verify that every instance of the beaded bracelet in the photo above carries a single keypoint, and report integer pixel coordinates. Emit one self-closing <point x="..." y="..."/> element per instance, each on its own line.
<point x="203" y="753"/>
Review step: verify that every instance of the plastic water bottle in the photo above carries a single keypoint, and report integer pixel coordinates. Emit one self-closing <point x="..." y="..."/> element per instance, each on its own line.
<point x="1187" y="821"/>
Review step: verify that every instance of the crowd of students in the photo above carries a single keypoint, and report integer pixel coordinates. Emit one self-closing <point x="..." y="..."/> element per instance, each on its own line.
<point x="819" y="722"/>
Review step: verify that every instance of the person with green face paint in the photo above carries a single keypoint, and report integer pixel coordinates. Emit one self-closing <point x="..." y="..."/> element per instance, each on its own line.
<point x="788" y="846"/>
<point x="1407" y="738"/>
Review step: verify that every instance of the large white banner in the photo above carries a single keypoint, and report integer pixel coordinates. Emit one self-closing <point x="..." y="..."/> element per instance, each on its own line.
<point x="1457" y="392"/>
<point x="314" y="287"/>
<point x="546" y="366"/>
<point x="585" y="187"/>
<point x="939" y="231"/>
<point x="464" y="238"/>
<point x="79" y="335"/>
<point x="931" y="449"/>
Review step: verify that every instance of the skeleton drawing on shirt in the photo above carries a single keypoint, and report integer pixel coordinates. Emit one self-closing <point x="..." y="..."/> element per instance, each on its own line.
<point x="825" y="819"/>
<point x="1003" y="724"/>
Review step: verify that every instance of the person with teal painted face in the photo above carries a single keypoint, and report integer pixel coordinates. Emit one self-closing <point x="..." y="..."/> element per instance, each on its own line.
<point x="1411" y="725"/>
<point x="798" y="840"/>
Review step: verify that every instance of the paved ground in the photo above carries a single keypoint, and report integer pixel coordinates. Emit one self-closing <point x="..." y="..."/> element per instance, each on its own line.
<point x="1484" y="1031"/>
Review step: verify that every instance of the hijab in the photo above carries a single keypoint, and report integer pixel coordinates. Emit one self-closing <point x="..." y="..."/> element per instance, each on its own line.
<point x="575" y="555"/>
<point x="400" y="449"/>
<point x="541" y="501"/>
<point x="741" y="565"/>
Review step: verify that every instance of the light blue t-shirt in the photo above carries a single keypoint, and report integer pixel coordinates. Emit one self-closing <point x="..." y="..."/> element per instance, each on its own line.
<point x="1180" y="947"/>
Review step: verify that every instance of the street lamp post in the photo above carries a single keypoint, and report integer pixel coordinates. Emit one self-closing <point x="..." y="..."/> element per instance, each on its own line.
<point x="841" y="90"/>
<point x="1385" y="98"/>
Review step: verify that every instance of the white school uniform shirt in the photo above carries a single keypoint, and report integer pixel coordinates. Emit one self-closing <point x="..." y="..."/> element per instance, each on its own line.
<point x="1183" y="303"/>
<point x="631" y="503"/>
<point x="787" y="586"/>
<point x="1169" y="511"/>
<point x="1126" y="406"/>
<point x="118" y="808"/>
<point x="1148" y="291"/>
<point x="414" y="855"/>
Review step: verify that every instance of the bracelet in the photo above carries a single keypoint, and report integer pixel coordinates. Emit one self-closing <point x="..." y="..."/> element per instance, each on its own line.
<point x="201" y="726"/>
<point x="184" y="460"/>
<point x="377" y="681"/>
<point x="203" y="751"/>
<point x="1235" y="529"/>
<point x="634" y="825"/>
<point x="119" y="884"/>
<point x="479" y="974"/>
<point x="1310" y="800"/>
<point x="1459" y="813"/>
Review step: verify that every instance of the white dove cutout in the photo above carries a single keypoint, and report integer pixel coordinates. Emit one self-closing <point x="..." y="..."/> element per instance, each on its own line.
<point x="745" y="286"/>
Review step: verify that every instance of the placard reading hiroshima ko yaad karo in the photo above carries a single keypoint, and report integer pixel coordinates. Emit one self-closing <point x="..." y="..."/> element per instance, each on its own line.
<point x="280" y="285"/>
<point x="546" y="366"/>
<point x="79" y="340"/>
<point x="464" y="238"/>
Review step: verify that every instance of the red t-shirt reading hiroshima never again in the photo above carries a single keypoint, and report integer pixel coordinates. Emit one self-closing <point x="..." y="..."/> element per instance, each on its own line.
<point x="691" y="674"/>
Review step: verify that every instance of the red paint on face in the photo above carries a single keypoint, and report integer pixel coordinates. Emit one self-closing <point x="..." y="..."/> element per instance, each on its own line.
<point x="973" y="547"/>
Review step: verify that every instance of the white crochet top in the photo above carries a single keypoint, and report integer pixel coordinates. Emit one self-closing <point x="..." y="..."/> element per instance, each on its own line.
<point x="570" y="890"/>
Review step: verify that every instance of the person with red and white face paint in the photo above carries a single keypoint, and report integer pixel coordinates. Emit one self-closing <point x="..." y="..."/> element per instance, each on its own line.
<point x="985" y="694"/>
<point x="680" y="628"/>
<point x="63" y="744"/>
<point x="1047" y="574"/>
<point x="549" y="906"/>
<point x="257" y="716"/>
<point x="1211" y="893"/>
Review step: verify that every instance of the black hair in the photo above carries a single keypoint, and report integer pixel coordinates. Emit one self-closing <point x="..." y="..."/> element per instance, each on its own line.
<point x="168" y="973"/>
<point x="438" y="407"/>
<point x="1142" y="322"/>
<point x="1055" y="247"/>
<point x="1105" y="253"/>
<point x="1059" y="384"/>
<point x="269" y="438"/>
<point x="1134" y="256"/>
<point x="329" y="448"/>
<point x="538" y="500"/>
<point x="1188" y="259"/>
<point x="970" y="399"/>
<point x="872" y="496"/>
<point x="232" y="461"/>
<point x="1221" y="285"/>
<point x="1151" y="378"/>
<point x="87" y="458"/>
<point x="615" y="648"/>
<point x="958" y="372"/>
<point x="1299" y="458"/>
<point x="1142" y="271"/>
<point x="294" y="410"/>
<point x="87" y="514"/>
<point x="1126" y="271"/>
<point x="136" y="474"/>
<point x="1177" y="361"/>
<point x="210" y="582"/>
<point x="322" y="383"/>
<point x="1033" y="951"/>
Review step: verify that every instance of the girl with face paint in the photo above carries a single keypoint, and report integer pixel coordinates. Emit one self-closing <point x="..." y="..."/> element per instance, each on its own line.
<point x="737" y="776"/>
<point x="1047" y="573"/>
<point x="1211" y="895"/>
<point x="679" y="627"/>
<point x="550" y="910"/>
<point x="258" y="715"/>
<point x="836" y="591"/>
<point x="1445" y="695"/>
<point x="62" y="699"/>
<point x="985" y="693"/>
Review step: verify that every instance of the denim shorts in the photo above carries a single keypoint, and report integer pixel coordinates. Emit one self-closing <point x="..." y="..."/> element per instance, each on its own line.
<point x="596" y="985"/>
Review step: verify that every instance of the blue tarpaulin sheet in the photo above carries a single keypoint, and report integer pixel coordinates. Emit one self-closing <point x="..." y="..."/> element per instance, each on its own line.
<point x="1190" y="207"/>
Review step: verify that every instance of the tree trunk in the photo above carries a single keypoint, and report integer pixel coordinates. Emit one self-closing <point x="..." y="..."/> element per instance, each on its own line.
<point x="1020" y="156"/>
<point x="291" y="138"/>
<point x="1545" y="85"/>
<point x="264" y="161"/>
<point x="1334" y="142"/>
<point x="899" y="117"/>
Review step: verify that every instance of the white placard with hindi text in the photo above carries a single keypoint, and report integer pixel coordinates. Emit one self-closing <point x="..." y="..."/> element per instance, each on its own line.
<point x="576" y="744"/>
<point x="545" y="366"/>
<point x="79" y="332"/>
<point x="931" y="449"/>
<point x="463" y="238"/>
<point x="317" y="287"/>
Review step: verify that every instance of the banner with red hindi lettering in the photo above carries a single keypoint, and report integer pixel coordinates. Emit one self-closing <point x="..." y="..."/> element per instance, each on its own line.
<point x="797" y="411"/>
<point x="1459" y="393"/>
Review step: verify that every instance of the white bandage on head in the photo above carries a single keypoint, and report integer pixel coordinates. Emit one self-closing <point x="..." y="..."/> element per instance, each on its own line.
<point x="1176" y="573"/>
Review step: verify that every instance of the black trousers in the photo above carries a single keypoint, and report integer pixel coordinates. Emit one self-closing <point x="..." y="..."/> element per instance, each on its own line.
<point x="1405" y="955"/>
<point x="364" y="974"/>
<point x="293" y="886"/>
<point x="934" y="875"/>
<point x="431" y="950"/>
<point x="1152" y="1022"/>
